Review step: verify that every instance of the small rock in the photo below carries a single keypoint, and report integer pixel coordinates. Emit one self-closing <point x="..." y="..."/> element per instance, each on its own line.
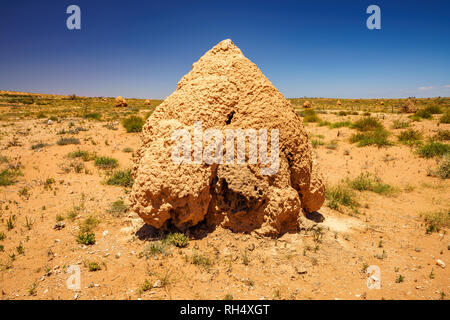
<point x="59" y="225"/>
<point x="440" y="263"/>
<point x="157" y="284"/>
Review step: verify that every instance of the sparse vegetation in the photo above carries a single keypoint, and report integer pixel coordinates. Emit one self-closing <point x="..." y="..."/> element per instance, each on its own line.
<point x="443" y="169"/>
<point x="410" y="137"/>
<point x="118" y="208"/>
<point x="121" y="178"/>
<point x="94" y="266"/>
<point x="340" y="197"/>
<point x="368" y="182"/>
<point x="435" y="221"/>
<point x="367" y="124"/>
<point x="86" y="238"/>
<point x="133" y="124"/>
<point x="177" y="239"/>
<point x="106" y="162"/>
<point x="433" y="149"/>
<point x="84" y="155"/>
<point x="67" y="141"/>
<point x="8" y="177"/>
<point x="378" y="137"/>
<point x="400" y="124"/>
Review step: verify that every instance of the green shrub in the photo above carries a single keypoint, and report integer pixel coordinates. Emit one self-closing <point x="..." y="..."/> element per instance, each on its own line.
<point x="38" y="146"/>
<point x="201" y="260"/>
<point x="435" y="221"/>
<point x="8" y="177"/>
<point x="133" y="124"/>
<point x="316" y="142"/>
<point x="378" y="137"/>
<point x="66" y="141"/>
<point x="441" y="135"/>
<point x="433" y="109"/>
<point x="400" y="124"/>
<point x="368" y="182"/>
<point x="106" y="162"/>
<point x="93" y="116"/>
<point x="340" y="196"/>
<point x="368" y="124"/>
<point x="121" y="178"/>
<point x="445" y="118"/>
<point x="86" y="238"/>
<point x="424" y="114"/>
<point x="443" y="170"/>
<point x="94" y="266"/>
<point x="433" y="149"/>
<point x="177" y="239"/>
<point x="310" y="116"/>
<point x="118" y="208"/>
<point x="410" y="136"/>
<point x="85" y="155"/>
<point x="340" y="124"/>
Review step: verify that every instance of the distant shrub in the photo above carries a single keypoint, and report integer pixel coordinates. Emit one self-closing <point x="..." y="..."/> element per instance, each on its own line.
<point x="38" y="146"/>
<point x="324" y="123"/>
<point x="106" y="162"/>
<point x="443" y="170"/>
<point x="400" y="124"/>
<point x="410" y="136"/>
<point x="316" y="142"/>
<point x="66" y="141"/>
<point x="441" y="135"/>
<point x="310" y="116"/>
<point x="93" y="116"/>
<point x="367" y="124"/>
<point x="340" y="124"/>
<point x="133" y="124"/>
<point x="424" y="114"/>
<point x="8" y="177"/>
<point x="85" y="155"/>
<point x="41" y="115"/>
<point x="368" y="182"/>
<point x="433" y="149"/>
<point x="121" y="178"/>
<point x="445" y="117"/>
<point x="378" y="137"/>
<point x="433" y="109"/>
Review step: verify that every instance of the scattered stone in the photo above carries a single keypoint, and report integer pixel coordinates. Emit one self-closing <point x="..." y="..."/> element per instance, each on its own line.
<point x="59" y="225"/>
<point x="440" y="263"/>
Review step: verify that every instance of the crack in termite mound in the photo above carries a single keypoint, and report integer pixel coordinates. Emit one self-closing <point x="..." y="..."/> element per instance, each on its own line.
<point x="225" y="92"/>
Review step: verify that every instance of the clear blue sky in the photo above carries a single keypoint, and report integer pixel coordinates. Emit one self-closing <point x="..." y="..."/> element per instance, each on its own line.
<point x="306" y="48"/>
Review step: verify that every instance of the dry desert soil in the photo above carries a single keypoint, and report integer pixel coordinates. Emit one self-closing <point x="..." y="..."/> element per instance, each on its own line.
<point x="395" y="216"/>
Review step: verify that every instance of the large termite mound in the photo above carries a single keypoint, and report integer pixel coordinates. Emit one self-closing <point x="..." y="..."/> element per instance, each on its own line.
<point x="225" y="91"/>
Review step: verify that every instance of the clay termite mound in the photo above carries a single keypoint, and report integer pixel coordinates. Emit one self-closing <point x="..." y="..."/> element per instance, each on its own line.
<point x="121" y="102"/>
<point x="225" y="91"/>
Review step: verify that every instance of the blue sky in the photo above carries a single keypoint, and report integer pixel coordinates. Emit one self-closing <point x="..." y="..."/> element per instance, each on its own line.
<point x="306" y="48"/>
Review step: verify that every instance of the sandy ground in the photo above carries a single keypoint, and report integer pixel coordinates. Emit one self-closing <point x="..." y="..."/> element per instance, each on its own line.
<point x="326" y="260"/>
